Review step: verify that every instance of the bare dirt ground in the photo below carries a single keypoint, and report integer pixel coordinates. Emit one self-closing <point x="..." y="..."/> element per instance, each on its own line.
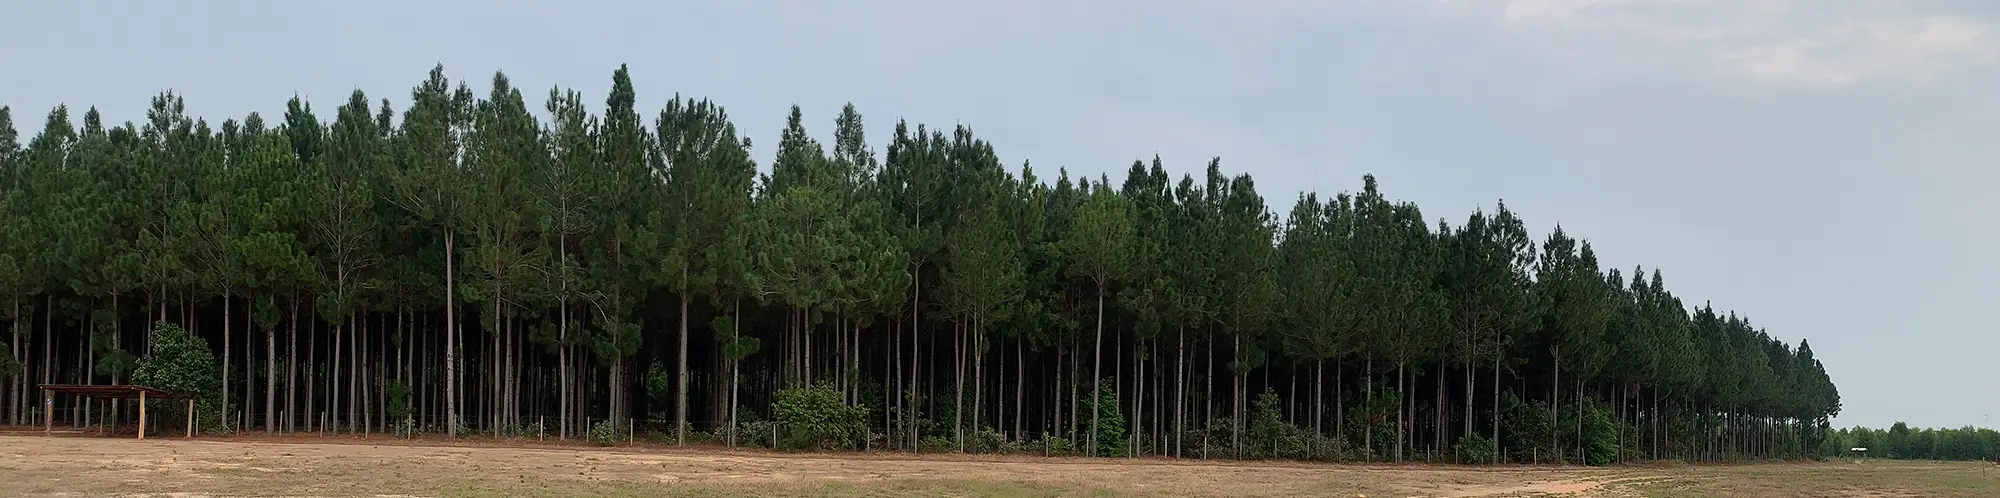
<point x="33" y="465"/>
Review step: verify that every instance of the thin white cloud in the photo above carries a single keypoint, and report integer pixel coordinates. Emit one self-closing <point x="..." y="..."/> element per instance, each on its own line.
<point x="1800" y="42"/>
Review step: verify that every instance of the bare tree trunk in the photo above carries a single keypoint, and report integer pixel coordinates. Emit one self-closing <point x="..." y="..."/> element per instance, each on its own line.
<point x="1138" y="400"/>
<point x="978" y="375"/>
<point x="1097" y="365"/>
<point x="1056" y="401"/>
<point x="1402" y="397"/>
<point x="916" y="302"/>
<point x="270" y="377"/>
<point x="681" y="375"/>
<point x="333" y="379"/>
<point x="1469" y="367"/>
<point x="1020" y="384"/>
<point x="1497" y="407"/>
<point x="1180" y="387"/>
<point x="225" y="358"/>
<point x="958" y="394"/>
<point x="450" y="337"/>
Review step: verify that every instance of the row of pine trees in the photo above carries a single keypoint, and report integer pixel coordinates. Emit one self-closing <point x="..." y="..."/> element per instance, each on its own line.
<point x="469" y="263"/>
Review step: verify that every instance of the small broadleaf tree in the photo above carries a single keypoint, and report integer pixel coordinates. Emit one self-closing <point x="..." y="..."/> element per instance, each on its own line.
<point x="180" y="363"/>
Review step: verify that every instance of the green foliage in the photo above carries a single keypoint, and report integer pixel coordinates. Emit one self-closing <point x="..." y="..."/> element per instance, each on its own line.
<point x="1600" y="434"/>
<point x="1053" y="445"/>
<point x="1270" y="436"/>
<point x="399" y="401"/>
<point x="1477" y="449"/>
<point x="659" y="387"/>
<point x="577" y="229"/>
<point x="816" y="419"/>
<point x="605" y="433"/>
<point x="1110" y="423"/>
<point x="180" y="363"/>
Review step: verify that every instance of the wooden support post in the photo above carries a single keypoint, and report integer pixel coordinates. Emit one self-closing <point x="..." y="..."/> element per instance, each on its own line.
<point x="48" y="411"/>
<point x="190" y="413"/>
<point x="142" y="415"/>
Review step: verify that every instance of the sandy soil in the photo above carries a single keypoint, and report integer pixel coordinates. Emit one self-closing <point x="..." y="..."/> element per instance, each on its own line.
<point x="315" y="466"/>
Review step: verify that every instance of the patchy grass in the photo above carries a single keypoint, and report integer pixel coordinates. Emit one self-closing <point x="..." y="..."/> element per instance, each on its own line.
<point x="309" y="466"/>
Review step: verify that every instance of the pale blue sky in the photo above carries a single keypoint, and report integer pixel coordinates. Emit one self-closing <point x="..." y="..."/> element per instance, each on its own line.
<point x="1821" y="165"/>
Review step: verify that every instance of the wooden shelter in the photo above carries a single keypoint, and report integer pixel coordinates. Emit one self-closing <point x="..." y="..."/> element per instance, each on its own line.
<point x="141" y="393"/>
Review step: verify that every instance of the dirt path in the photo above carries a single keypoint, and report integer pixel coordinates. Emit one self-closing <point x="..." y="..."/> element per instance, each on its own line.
<point x="85" y="466"/>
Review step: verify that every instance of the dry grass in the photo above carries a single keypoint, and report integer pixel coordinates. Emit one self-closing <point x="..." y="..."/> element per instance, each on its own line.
<point x="305" y="466"/>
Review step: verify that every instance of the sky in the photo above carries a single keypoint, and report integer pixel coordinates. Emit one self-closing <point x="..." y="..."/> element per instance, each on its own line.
<point x="1820" y="166"/>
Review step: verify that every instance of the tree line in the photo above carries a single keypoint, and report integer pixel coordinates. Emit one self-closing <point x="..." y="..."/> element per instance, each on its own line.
<point x="464" y="263"/>
<point x="1900" y="441"/>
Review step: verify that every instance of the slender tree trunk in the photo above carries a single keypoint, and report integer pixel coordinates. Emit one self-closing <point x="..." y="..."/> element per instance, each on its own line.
<point x="681" y="370"/>
<point x="1318" y="385"/>
<point x="958" y="393"/>
<point x="978" y="375"/>
<point x="1497" y="455"/>
<point x="1138" y="400"/>
<point x="1368" y="401"/>
<point x="333" y="378"/>
<point x="225" y="358"/>
<point x="1555" y="399"/>
<point x="270" y="377"/>
<point x="1469" y="378"/>
<point x="17" y="380"/>
<point x="1020" y="384"/>
<point x="1097" y="365"/>
<point x="48" y="340"/>
<point x="1180" y="387"/>
<point x="292" y="370"/>
<point x="450" y="337"/>
<point x="1236" y="381"/>
<point x="1056" y="397"/>
<point x="916" y="304"/>
<point x="1402" y="396"/>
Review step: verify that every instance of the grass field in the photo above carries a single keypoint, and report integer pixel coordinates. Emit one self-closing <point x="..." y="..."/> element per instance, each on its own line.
<point x="312" y="466"/>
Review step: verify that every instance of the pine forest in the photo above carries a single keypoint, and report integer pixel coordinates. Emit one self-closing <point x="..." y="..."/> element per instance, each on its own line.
<point x="476" y="262"/>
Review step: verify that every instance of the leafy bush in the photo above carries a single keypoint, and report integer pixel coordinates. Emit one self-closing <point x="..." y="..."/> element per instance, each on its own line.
<point x="604" y="433"/>
<point x="1477" y="449"/>
<point x="1600" y="434"/>
<point x="399" y="404"/>
<point x="935" y="444"/>
<point x="756" y="434"/>
<point x="1111" y="424"/>
<point x="816" y="419"/>
<point x="1270" y="436"/>
<point x="985" y="440"/>
<point x="180" y="363"/>
<point x="659" y="389"/>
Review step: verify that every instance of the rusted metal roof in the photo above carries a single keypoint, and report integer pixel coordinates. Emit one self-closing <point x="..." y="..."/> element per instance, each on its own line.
<point x="110" y="391"/>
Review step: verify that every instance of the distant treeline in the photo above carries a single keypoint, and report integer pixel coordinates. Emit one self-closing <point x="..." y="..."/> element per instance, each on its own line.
<point x="1902" y="442"/>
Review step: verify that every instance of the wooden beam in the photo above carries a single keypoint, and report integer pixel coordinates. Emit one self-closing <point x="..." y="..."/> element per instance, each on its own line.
<point x="142" y="415"/>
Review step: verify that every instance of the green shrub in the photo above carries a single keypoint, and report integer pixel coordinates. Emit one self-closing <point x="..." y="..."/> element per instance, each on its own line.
<point x="1110" y="423"/>
<point x="1053" y="445"/>
<point x="1270" y="436"/>
<point x="181" y="364"/>
<point x="1477" y="449"/>
<point x="985" y="440"/>
<point x="1600" y="434"/>
<point x="604" y="433"/>
<point x="936" y="444"/>
<point x="817" y="419"/>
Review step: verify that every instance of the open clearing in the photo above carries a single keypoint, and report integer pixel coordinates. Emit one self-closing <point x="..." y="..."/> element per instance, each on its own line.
<point x="313" y="466"/>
